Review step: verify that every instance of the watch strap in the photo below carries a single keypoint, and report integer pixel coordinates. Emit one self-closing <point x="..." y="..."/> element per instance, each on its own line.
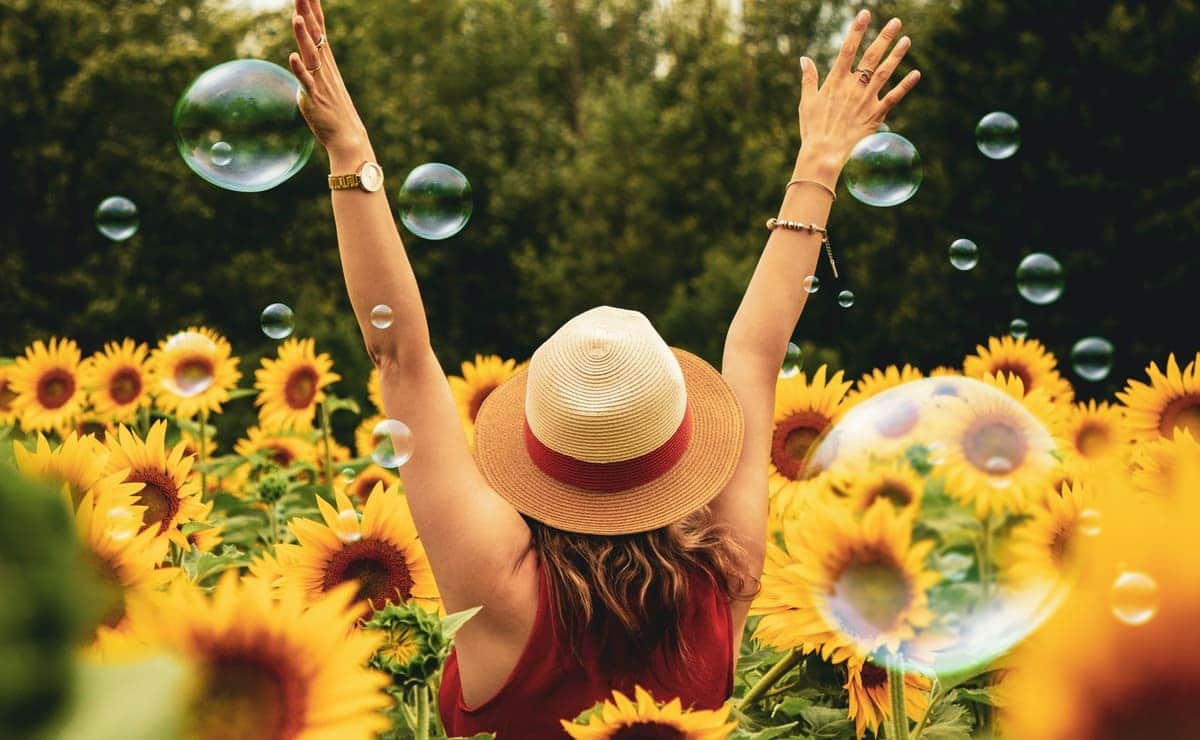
<point x="344" y="182"/>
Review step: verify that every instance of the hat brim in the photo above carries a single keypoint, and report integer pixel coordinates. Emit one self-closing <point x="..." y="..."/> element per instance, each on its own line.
<point x="701" y="473"/>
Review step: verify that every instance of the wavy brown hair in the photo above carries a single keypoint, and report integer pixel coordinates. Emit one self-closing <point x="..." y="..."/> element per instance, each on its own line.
<point x="629" y="591"/>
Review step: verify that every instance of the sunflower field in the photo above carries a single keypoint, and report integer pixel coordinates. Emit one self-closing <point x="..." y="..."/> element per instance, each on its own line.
<point x="972" y="547"/>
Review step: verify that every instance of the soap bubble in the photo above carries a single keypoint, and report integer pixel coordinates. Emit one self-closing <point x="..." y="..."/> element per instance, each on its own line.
<point x="392" y="443"/>
<point x="1092" y="358"/>
<point x="793" y="361"/>
<point x="942" y="464"/>
<point x="1134" y="598"/>
<point x="1089" y="522"/>
<point x="998" y="135"/>
<point x="1040" y="279"/>
<point x="812" y="284"/>
<point x="964" y="254"/>
<point x="277" y="321"/>
<point x="239" y="126"/>
<point x="1018" y="328"/>
<point x="845" y="299"/>
<point x="382" y="316"/>
<point x="435" y="201"/>
<point x="884" y="170"/>
<point x="117" y="218"/>
<point x="348" y="475"/>
<point x="192" y="373"/>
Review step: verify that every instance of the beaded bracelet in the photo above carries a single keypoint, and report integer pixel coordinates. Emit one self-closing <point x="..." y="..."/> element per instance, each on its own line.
<point x="780" y="223"/>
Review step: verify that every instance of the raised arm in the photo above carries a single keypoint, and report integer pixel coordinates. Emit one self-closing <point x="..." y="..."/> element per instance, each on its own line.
<point x="833" y="118"/>
<point x="473" y="537"/>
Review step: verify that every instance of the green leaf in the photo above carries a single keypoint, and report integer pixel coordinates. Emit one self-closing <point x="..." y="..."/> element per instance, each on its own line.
<point x="453" y="623"/>
<point x="127" y="701"/>
<point x="204" y="565"/>
<point x="948" y="721"/>
<point x="828" y="722"/>
<point x="334" y="404"/>
<point x="193" y="527"/>
<point x="792" y="706"/>
<point x="237" y="393"/>
<point x="766" y="733"/>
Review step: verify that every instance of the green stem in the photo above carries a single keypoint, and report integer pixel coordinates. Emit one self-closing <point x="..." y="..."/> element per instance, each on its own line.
<point x="899" y="714"/>
<point x="935" y="696"/>
<point x="985" y="561"/>
<point x="778" y="671"/>
<point x="203" y="452"/>
<point x="422" y="728"/>
<point x="273" y="514"/>
<point x="325" y="434"/>
<point x="143" y="422"/>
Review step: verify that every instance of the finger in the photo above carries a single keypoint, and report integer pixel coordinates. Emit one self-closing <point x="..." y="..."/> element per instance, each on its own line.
<point x="885" y="70"/>
<point x="304" y="10"/>
<point x="880" y="45"/>
<point x="308" y="50"/>
<point x="301" y="72"/>
<point x="904" y="87"/>
<point x="318" y="14"/>
<point x="808" y="79"/>
<point x="849" y="50"/>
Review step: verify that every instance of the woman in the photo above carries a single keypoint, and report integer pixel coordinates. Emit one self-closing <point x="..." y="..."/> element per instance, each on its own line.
<point x="612" y="522"/>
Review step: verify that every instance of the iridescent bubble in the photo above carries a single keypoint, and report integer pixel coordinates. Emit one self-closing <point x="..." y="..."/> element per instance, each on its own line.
<point x="348" y="475"/>
<point x="252" y="108"/>
<point x="846" y="298"/>
<point x="793" y="361"/>
<point x="382" y="316"/>
<point x="1018" y="328"/>
<point x="1089" y="522"/>
<point x="964" y="254"/>
<point x="883" y="128"/>
<point x="998" y="135"/>
<point x="1134" y="598"/>
<point x="192" y="373"/>
<point x="1040" y="279"/>
<point x="812" y="284"/>
<point x="117" y="218"/>
<point x="277" y="321"/>
<point x="884" y="170"/>
<point x="348" y="529"/>
<point x="435" y="201"/>
<point x="393" y="443"/>
<point x="1092" y="358"/>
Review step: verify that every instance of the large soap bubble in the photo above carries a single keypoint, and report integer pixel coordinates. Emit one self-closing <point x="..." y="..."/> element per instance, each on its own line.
<point x="239" y="126"/>
<point x="884" y="170"/>
<point x="935" y="514"/>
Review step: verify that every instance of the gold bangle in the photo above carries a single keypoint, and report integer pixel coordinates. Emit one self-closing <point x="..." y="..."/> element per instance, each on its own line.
<point x="782" y="223"/>
<point x="819" y="184"/>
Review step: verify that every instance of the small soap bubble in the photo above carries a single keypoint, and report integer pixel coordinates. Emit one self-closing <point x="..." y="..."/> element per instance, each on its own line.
<point x="812" y="284"/>
<point x="1092" y="358"/>
<point x="222" y="154"/>
<point x="845" y="299"/>
<point x="348" y="529"/>
<point x="435" y="201"/>
<point x="793" y="361"/>
<point x="1089" y="522"/>
<point x="382" y="316"/>
<point x="998" y="135"/>
<point x="1018" y="328"/>
<point x="277" y="321"/>
<point x="191" y="373"/>
<point x="1040" y="279"/>
<point x="964" y="254"/>
<point x="1134" y="598"/>
<point x="117" y="218"/>
<point x="393" y="443"/>
<point x="348" y="475"/>
<point x="884" y="170"/>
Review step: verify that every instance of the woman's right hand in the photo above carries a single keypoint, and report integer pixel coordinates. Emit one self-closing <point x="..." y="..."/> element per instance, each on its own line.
<point x="848" y="106"/>
<point x="325" y="102"/>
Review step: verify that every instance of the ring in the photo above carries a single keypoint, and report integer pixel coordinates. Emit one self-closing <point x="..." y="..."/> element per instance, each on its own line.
<point x="864" y="74"/>
<point x="315" y="69"/>
<point x="321" y="41"/>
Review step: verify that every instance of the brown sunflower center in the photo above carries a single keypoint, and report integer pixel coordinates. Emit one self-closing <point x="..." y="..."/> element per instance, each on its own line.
<point x="379" y="567"/>
<point x="363" y="485"/>
<point x="1017" y="369"/>
<point x="193" y="375"/>
<point x="1172" y="695"/>
<point x="92" y="427"/>
<point x="1181" y="413"/>
<point x="7" y="395"/>
<point x="280" y="454"/>
<point x="1060" y="545"/>
<point x="248" y="697"/>
<point x="125" y="386"/>
<point x="995" y="445"/>
<point x="895" y="491"/>
<point x="1093" y="439"/>
<point x="870" y="595"/>
<point x="110" y="591"/>
<point x="792" y="439"/>
<point x="648" y="731"/>
<point x="301" y="388"/>
<point x="477" y="400"/>
<point x="897" y="418"/>
<point x="159" y="494"/>
<point x="873" y="676"/>
<point x="55" y="388"/>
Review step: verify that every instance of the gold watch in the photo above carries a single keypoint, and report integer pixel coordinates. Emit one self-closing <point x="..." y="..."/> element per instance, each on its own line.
<point x="369" y="178"/>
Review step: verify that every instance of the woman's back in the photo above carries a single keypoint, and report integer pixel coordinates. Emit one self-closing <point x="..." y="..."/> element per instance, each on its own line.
<point x="549" y="684"/>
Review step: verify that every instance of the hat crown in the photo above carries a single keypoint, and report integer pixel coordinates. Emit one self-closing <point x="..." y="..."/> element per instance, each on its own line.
<point x="605" y="387"/>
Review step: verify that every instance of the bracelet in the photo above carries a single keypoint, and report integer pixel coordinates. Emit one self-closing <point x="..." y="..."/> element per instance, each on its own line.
<point x="780" y="223"/>
<point x="821" y="185"/>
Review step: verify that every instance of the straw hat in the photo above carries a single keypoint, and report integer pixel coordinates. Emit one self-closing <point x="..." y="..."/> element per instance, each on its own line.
<point x="609" y="430"/>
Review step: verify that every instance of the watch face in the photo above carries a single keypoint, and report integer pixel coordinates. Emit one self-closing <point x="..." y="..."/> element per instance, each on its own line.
<point x="371" y="177"/>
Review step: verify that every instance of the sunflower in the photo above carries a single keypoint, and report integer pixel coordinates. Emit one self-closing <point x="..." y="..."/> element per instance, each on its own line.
<point x="79" y="464"/>
<point x="267" y="667"/>
<point x="895" y="482"/>
<point x="877" y="381"/>
<point x="1171" y="401"/>
<point x="196" y="353"/>
<point x="1047" y="547"/>
<point x="171" y="496"/>
<point x="46" y="383"/>
<point x="381" y="551"/>
<point x="359" y="489"/>
<point x="1095" y="438"/>
<point x="117" y="379"/>
<point x="871" y="703"/>
<point x="642" y="717"/>
<point x="846" y="585"/>
<point x="944" y="371"/>
<point x="364" y="435"/>
<point x="8" y="410"/>
<point x="282" y="447"/>
<point x="998" y="456"/>
<point x="89" y="424"/>
<point x="374" y="394"/>
<point x="478" y="380"/>
<point x="1157" y="464"/>
<point x="1028" y="359"/>
<point x="292" y="386"/>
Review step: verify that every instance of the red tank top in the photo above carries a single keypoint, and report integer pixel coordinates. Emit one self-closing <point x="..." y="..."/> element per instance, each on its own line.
<point x="547" y="684"/>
